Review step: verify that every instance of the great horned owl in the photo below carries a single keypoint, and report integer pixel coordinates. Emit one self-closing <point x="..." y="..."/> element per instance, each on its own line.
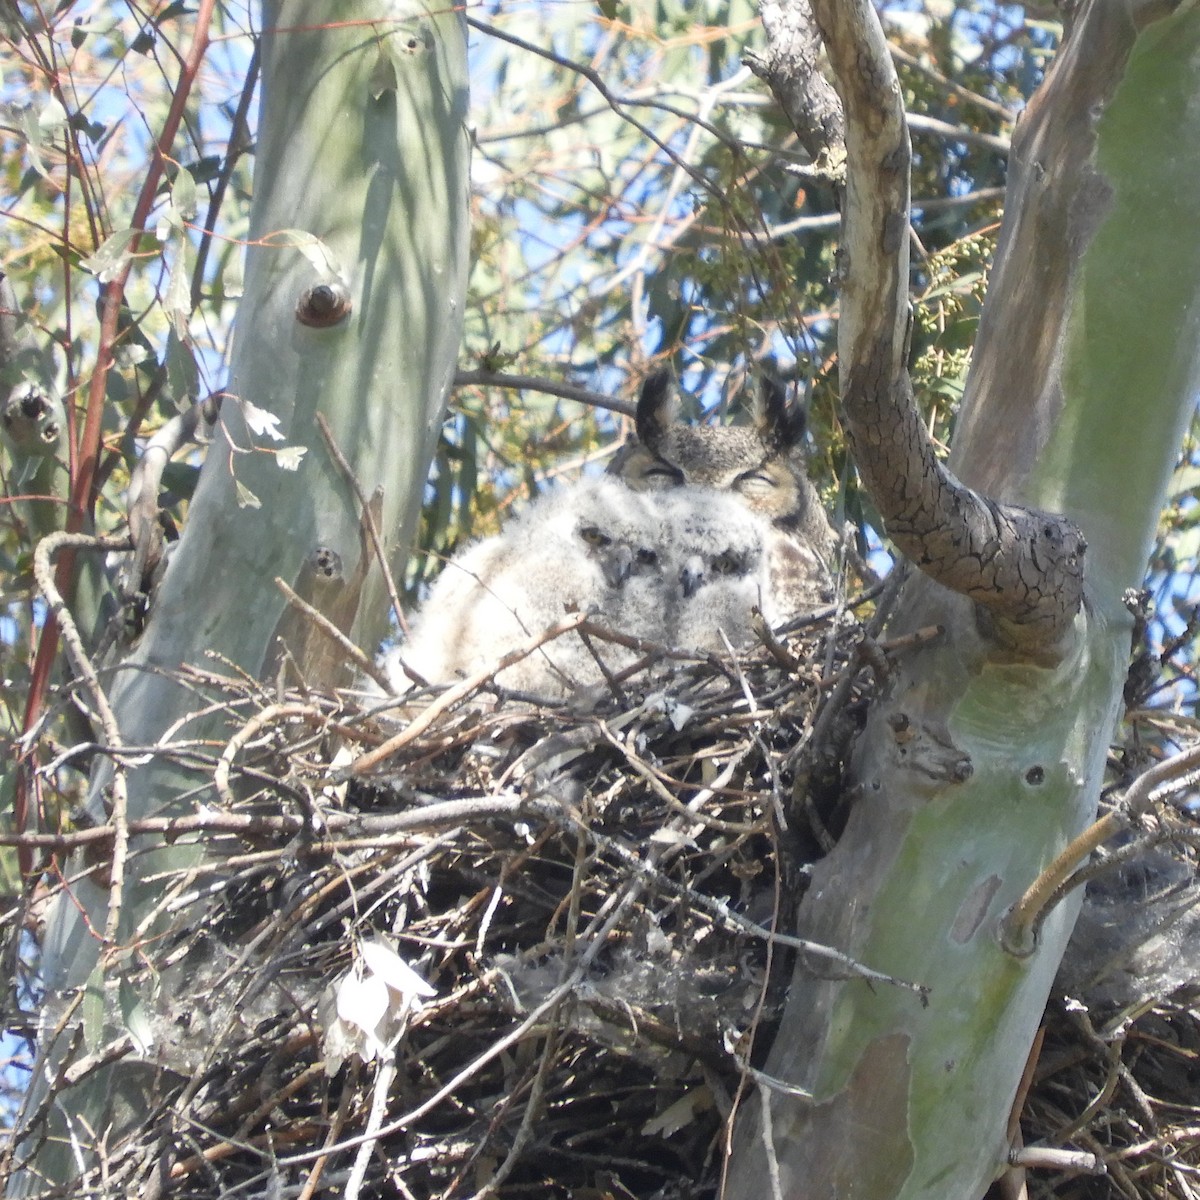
<point x="716" y="567"/>
<point x="761" y="464"/>
<point x="588" y="546"/>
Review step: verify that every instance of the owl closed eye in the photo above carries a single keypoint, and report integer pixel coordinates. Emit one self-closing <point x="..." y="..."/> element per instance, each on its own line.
<point x="761" y="465"/>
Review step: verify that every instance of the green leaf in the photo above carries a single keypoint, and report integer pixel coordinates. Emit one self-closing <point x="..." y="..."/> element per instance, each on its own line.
<point x="179" y="478"/>
<point x="112" y="256"/>
<point x="93" y="1008"/>
<point x="245" y="497"/>
<point x="183" y="194"/>
<point x="183" y="376"/>
<point x="177" y="303"/>
<point x="94" y="131"/>
<point x="1186" y="479"/>
<point x="52" y="116"/>
<point x="130" y="354"/>
<point x="144" y="42"/>
<point x="383" y="75"/>
<point x="323" y="259"/>
<point x="134" y="1016"/>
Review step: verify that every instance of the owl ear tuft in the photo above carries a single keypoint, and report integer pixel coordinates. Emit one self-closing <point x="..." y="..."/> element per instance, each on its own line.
<point x="657" y="409"/>
<point x="780" y="422"/>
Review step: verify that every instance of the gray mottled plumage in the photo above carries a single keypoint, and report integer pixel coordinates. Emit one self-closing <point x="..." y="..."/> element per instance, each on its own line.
<point x="588" y="546"/>
<point x="717" y="567"/>
<point x="762" y="465"/>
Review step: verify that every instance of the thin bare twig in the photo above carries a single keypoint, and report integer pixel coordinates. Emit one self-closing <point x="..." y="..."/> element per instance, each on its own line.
<point x="951" y="87"/>
<point x="549" y="387"/>
<point x="449" y="698"/>
<point x="1020" y="928"/>
<point x="43" y="571"/>
<point x="145" y="481"/>
<point x="267" y="716"/>
<point x="363" y="661"/>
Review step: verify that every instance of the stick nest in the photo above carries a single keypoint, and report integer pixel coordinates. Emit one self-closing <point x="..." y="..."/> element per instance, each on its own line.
<point x="588" y="888"/>
<point x="589" y="891"/>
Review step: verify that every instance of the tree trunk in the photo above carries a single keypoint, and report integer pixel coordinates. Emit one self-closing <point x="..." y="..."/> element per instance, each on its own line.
<point x="355" y="285"/>
<point x="980" y="762"/>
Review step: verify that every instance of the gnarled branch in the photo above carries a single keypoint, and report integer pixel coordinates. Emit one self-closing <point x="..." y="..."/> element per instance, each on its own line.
<point x="789" y="67"/>
<point x="1025" y="567"/>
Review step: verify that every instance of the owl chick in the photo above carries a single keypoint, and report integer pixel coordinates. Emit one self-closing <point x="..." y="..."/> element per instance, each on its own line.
<point x="717" y="566"/>
<point x="761" y="464"/>
<point x="590" y="546"/>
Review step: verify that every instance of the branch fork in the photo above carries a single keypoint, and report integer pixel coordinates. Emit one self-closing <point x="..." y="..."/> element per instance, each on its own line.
<point x="1023" y="566"/>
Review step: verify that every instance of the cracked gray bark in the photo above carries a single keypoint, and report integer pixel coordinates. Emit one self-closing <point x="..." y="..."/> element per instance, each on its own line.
<point x="1023" y="566"/>
<point x="789" y="67"/>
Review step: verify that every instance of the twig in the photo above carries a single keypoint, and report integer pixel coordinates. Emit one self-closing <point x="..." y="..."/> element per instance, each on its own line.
<point x="777" y="650"/>
<point x="260" y="720"/>
<point x="549" y="387"/>
<point x="309" y="1190"/>
<point x="534" y="1107"/>
<point x="368" y="519"/>
<point x="958" y="133"/>
<point x="145" y="481"/>
<point x="114" y="291"/>
<point x="1020" y="928"/>
<point x="1047" y="1158"/>
<point x="237" y="144"/>
<point x="615" y="103"/>
<point x="330" y="630"/>
<point x="768" y="1140"/>
<point x="384" y="1075"/>
<point x="43" y="572"/>
<point x="342" y="827"/>
<point x="602" y="925"/>
<point x="86" y="459"/>
<point x="735" y="921"/>
<point x="448" y="699"/>
<point x="950" y="86"/>
<point x="693" y="808"/>
<point x="27" y="1119"/>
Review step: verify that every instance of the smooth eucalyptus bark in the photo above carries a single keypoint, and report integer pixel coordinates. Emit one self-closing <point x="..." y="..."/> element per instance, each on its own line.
<point x="361" y="198"/>
<point x="980" y="762"/>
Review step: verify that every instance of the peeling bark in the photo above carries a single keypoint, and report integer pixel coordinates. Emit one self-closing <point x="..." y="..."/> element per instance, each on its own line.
<point x="1057" y="197"/>
<point x="1023" y="566"/>
<point x="789" y="67"/>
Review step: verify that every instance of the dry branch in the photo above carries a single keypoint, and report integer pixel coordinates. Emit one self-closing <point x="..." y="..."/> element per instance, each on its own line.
<point x="593" y="892"/>
<point x="790" y="66"/>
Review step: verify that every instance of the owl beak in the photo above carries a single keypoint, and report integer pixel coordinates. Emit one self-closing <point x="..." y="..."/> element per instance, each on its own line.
<point x="692" y="575"/>
<point x="618" y="566"/>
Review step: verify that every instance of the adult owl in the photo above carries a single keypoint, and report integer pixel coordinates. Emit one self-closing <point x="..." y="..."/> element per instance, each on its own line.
<point x="761" y="464"/>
